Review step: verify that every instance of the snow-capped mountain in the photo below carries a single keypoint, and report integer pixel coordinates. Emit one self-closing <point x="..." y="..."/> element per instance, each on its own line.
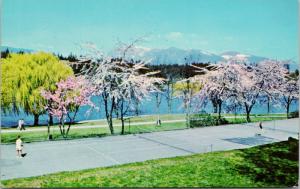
<point x="241" y="56"/>
<point x="175" y="55"/>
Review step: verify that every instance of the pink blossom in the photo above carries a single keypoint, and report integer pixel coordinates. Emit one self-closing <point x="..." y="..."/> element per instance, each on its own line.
<point x="70" y="93"/>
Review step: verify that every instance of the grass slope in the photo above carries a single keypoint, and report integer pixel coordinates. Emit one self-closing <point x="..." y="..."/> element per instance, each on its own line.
<point x="271" y="165"/>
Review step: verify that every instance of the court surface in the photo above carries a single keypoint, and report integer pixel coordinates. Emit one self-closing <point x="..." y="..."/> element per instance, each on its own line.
<point x="70" y="155"/>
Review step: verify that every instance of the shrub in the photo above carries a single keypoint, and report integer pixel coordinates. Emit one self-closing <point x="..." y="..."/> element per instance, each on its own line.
<point x="202" y="120"/>
<point x="294" y="114"/>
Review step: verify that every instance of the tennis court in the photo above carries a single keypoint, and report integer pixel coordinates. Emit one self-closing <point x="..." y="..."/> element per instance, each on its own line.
<point x="69" y="155"/>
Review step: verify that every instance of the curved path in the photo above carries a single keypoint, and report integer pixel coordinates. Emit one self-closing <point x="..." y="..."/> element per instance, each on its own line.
<point x="55" y="156"/>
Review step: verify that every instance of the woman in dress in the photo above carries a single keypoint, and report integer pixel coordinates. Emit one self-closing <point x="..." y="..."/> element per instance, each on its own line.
<point x="19" y="146"/>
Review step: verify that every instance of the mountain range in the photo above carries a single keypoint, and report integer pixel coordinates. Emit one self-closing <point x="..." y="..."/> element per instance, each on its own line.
<point x="175" y="55"/>
<point x="15" y="49"/>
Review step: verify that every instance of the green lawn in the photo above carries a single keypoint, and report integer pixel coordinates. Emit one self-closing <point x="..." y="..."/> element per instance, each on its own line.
<point x="153" y="118"/>
<point x="144" y="118"/>
<point x="35" y="136"/>
<point x="272" y="165"/>
<point x="253" y="119"/>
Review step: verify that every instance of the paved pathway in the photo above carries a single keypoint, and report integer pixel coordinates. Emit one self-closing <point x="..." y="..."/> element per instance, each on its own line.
<point x="87" y="126"/>
<point x="105" y="125"/>
<point x="55" y="156"/>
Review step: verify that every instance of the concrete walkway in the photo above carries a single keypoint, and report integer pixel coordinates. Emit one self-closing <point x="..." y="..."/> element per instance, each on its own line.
<point x="28" y="129"/>
<point x="70" y="155"/>
<point x="86" y="126"/>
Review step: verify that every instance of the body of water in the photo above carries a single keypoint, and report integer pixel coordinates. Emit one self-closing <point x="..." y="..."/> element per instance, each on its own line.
<point x="147" y="107"/>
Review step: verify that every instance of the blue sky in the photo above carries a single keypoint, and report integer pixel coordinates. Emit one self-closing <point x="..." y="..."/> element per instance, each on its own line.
<point x="261" y="27"/>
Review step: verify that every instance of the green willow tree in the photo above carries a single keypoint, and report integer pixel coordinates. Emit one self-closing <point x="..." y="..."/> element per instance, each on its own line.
<point x="23" y="77"/>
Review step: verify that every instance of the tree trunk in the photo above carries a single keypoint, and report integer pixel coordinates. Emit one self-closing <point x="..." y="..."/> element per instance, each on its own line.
<point x="220" y="108"/>
<point x="158" y="122"/>
<point x="215" y="106"/>
<point x="189" y="96"/>
<point x="48" y="130"/>
<point x="63" y="127"/>
<point x="36" y="119"/>
<point x="248" y="116"/>
<point x="69" y="126"/>
<point x="248" y="110"/>
<point x="288" y="108"/>
<point x="137" y="109"/>
<point x="187" y="118"/>
<point x="123" y="125"/>
<point x="122" y="117"/>
<point x="108" y="113"/>
<point x="60" y="129"/>
<point x="50" y="119"/>
<point x="110" y="116"/>
<point x="235" y="112"/>
<point x="48" y="126"/>
<point x="268" y="105"/>
<point x="111" y="128"/>
<point x="169" y="97"/>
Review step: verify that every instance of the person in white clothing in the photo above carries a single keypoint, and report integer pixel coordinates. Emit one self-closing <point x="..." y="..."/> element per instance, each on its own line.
<point x="19" y="146"/>
<point x="20" y="124"/>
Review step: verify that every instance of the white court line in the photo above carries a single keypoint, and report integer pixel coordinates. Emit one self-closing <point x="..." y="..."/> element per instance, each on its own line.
<point x="165" y="134"/>
<point x="62" y="142"/>
<point x="105" y="156"/>
<point x="137" y="149"/>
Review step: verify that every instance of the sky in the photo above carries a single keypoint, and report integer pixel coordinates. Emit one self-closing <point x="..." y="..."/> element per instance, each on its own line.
<point x="260" y="27"/>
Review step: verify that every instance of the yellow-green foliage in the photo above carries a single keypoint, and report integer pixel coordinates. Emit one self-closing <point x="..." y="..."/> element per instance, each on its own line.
<point x="23" y="77"/>
<point x="183" y="87"/>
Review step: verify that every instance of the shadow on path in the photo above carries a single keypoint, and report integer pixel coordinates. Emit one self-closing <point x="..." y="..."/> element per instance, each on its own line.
<point x="251" y="141"/>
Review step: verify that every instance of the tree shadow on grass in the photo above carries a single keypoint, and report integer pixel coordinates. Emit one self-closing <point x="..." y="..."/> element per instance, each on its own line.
<point x="273" y="164"/>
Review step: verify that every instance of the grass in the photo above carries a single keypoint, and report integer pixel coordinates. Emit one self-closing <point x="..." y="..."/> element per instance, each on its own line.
<point x="35" y="136"/>
<point x="253" y="119"/>
<point x="75" y="133"/>
<point x="146" y="118"/>
<point x="271" y="165"/>
<point x="143" y="118"/>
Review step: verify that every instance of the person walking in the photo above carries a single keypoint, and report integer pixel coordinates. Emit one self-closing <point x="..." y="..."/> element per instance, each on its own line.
<point x="261" y="128"/>
<point x="22" y="124"/>
<point x="19" y="146"/>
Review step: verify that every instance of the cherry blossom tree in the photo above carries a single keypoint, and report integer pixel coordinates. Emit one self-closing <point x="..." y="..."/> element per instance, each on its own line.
<point x="118" y="80"/>
<point x="218" y="82"/>
<point x="244" y="83"/>
<point x="259" y="81"/>
<point x="135" y="87"/>
<point x="270" y="76"/>
<point x="289" y="91"/>
<point x="66" y="100"/>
